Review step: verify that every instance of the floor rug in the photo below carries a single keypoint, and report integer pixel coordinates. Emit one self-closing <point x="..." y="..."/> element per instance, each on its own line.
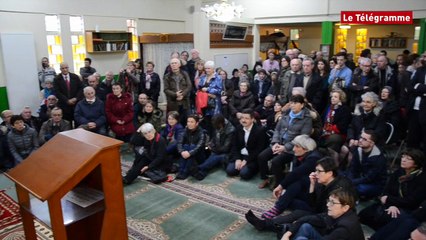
<point x="11" y="223"/>
<point x="9" y="211"/>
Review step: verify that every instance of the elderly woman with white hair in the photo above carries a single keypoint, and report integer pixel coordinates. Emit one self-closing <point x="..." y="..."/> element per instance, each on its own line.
<point x="367" y="116"/>
<point x="211" y="83"/>
<point x="150" y="152"/>
<point x="292" y="192"/>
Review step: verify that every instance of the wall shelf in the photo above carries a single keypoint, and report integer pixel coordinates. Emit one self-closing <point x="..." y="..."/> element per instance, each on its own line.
<point x="389" y="42"/>
<point x="108" y="42"/>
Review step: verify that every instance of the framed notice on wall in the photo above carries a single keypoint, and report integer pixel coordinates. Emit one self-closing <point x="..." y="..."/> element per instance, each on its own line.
<point x="325" y="49"/>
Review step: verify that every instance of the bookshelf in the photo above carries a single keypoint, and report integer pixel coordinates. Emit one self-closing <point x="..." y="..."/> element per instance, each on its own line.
<point x="388" y="42"/>
<point x="108" y="42"/>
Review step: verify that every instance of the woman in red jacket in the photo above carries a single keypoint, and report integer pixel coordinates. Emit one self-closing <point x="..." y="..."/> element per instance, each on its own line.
<point x="119" y="111"/>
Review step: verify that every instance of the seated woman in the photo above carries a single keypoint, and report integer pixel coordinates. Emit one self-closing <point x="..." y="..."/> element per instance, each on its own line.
<point x="403" y="193"/>
<point x="273" y="119"/>
<point x="323" y="181"/>
<point x="219" y="146"/>
<point x="391" y="112"/>
<point x="172" y="132"/>
<point x="337" y="118"/>
<point x="150" y="114"/>
<point x="296" y="184"/>
<point x="340" y="221"/>
<point x="119" y="112"/>
<point x="191" y="148"/>
<point x="22" y="140"/>
<point x="295" y="122"/>
<point x="241" y="99"/>
<point x="150" y="152"/>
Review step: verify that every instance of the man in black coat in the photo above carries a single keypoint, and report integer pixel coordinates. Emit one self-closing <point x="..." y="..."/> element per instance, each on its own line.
<point x="417" y="111"/>
<point x="68" y="89"/>
<point x="311" y="82"/>
<point x="250" y="140"/>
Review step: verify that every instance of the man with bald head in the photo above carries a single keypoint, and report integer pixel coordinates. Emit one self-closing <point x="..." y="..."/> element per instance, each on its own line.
<point x="177" y="87"/>
<point x="93" y="82"/>
<point x="68" y="88"/>
<point x="385" y="74"/>
<point x="90" y="112"/>
<point x="290" y="78"/>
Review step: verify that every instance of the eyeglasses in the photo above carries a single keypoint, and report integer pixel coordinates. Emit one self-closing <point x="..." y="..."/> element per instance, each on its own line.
<point x="319" y="170"/>
<point x="407" y="157"/>
<point x="331" y="202"/>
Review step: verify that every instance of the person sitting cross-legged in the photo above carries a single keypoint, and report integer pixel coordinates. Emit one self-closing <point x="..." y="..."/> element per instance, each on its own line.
<point x="191" y="148"/>
<point x="249" y="140"/>
<point x="220" y="145"/>
<point x="150" y="152"/>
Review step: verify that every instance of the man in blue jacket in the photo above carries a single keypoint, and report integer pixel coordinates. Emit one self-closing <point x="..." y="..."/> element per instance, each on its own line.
<point x="90" y="112"/>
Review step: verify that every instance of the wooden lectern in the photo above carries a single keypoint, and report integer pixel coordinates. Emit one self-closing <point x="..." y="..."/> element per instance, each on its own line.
<point x="71" y="159"/>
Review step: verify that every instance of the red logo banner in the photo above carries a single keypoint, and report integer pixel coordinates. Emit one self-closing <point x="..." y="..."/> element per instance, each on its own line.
<point x="376" y="17"/>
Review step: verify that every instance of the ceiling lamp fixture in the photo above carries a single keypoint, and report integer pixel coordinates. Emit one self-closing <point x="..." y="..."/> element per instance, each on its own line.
<point x="223" y="11"/>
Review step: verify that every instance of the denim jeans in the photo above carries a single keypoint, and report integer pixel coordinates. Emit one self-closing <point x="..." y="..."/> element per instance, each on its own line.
<point x="245" y="172"/>
<point x="214" y="160"/>
<point x="295" y="196"/>
<point x="307" y="232"/>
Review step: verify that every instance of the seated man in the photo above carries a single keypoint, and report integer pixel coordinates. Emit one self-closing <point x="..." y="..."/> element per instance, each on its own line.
<point x="265" y="110"/>
<point x="22" y="140"/>
<point x="220" y="145"/>
<point x="6" y="160"/>
<point x="29" y="119"/>
<point x="53" y="126"/>
<point x="93" y="81"/>
<point x="90" y="112"/>
<point x="45" y="109"/>
<point x="191" y="148"/>
<point x="150" y="152"/>
<point x="368" y="166"/>
<point x="249" y="140"/>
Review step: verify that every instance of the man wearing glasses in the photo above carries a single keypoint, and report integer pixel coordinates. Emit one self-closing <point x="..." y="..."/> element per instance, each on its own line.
<point x="368" y="166"/>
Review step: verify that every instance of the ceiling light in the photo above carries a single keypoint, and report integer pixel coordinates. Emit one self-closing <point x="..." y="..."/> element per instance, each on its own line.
<point x="223" y="11"/>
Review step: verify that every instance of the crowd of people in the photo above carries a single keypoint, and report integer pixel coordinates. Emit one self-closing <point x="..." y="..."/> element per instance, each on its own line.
<point x="315" y="130"/>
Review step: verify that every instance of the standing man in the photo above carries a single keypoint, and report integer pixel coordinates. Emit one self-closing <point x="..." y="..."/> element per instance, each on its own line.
<point x="87" y="70"/>
<point x="68" y="88"/>
<point x="340" y="73"/>
<point x="177" y="87"/>
<point x="45" y="73"/>
<point x="312" y="84"/>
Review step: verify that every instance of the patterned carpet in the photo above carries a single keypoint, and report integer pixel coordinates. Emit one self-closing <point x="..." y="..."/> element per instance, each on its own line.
<point x="210" y="209"/>
<point x="10" y="221"/>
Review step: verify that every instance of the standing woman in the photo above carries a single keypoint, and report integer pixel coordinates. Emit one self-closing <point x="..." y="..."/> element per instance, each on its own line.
<point x="227" y="91"/>
<point x="323" y="70"/>
<point x="211" y="83"/>
<point x="119" y="111"/>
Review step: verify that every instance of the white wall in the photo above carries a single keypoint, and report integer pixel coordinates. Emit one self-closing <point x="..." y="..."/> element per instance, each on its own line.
<point x="151" y="16"/>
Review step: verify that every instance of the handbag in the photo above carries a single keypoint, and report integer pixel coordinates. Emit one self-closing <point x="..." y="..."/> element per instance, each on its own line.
<point x="156" y="176"/>
<point x="211" y="103"/>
